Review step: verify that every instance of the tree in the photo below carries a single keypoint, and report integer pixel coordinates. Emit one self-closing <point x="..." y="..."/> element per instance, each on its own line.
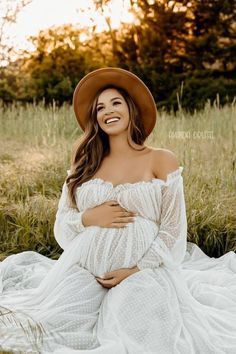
<point x="170" y="45"/>
<point x="213" y="35"/>
<point x="56" y="65"/>
<point x="9" y="10"/>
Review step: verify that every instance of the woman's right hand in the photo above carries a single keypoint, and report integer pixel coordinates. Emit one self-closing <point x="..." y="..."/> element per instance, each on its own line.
<point x="109" y="214"/>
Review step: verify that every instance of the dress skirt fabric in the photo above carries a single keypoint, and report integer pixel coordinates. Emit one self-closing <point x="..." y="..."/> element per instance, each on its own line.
<point x="180" y="302"/>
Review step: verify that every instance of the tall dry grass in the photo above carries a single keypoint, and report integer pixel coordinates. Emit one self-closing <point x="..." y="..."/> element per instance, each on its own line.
<point x="36" y="144"/>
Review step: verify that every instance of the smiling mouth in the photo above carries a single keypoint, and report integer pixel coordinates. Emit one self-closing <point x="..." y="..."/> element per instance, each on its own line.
<point x="111" y="120"/>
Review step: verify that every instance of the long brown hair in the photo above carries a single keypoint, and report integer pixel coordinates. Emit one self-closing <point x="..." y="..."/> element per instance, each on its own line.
<point x="93" y="145"/>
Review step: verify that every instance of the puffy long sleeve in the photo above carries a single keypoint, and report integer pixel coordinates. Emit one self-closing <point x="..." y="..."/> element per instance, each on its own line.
<point x="68" y="223"/>
<point x="169" y="246"/>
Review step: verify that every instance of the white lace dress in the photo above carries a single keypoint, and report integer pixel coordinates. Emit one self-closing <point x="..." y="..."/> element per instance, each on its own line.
<point x="180" y="302"/>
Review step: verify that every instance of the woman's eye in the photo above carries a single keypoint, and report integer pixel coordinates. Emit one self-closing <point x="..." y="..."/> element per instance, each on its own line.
<point x="115" y="102"/>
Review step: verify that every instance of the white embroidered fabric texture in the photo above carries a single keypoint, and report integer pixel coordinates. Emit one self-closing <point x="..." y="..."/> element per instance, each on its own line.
<point x="169" y="247"/>
<point x="181" y="302"/>
<point x="68" y="221"/>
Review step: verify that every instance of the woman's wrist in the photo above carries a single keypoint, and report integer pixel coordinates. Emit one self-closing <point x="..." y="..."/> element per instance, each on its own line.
<point x="84" y="218"/>
<point x="135" y="269"/>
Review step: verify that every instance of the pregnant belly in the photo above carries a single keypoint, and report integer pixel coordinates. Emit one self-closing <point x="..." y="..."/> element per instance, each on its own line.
<point x="114" y="248"/>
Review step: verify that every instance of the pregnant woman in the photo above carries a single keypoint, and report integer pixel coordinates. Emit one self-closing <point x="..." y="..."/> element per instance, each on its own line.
<point x="128" y="282"/>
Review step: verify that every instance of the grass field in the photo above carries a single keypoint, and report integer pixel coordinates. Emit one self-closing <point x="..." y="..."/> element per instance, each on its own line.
<point x="36" y="144"/>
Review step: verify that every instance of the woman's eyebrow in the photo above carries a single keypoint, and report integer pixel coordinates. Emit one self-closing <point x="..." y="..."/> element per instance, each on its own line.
<point x="114" y="98"/>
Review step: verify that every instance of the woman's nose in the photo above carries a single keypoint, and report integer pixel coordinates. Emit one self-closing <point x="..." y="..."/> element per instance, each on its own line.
<point x="109" y="111"/>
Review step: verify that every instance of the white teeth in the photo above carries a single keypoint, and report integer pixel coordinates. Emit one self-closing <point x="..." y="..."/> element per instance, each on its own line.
<point x="111" y="120"/>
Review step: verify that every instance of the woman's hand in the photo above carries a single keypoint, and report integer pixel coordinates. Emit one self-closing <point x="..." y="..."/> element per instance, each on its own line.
<point x="113" y="278"/>
<point x="108" y="214"/>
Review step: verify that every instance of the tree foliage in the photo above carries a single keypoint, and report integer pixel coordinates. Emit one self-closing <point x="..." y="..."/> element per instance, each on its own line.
<point x="172" y="45"/>
<point x="9" y="10"/>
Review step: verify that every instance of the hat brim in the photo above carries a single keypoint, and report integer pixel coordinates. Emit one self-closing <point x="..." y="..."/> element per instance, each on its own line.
<point x="89" y="85"/>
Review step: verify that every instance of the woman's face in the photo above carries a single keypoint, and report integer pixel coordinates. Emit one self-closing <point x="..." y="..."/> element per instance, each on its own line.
<point x="111" y="104"/>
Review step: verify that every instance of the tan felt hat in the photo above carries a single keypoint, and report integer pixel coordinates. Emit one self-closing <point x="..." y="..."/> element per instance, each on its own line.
<point x="88" y="86"/>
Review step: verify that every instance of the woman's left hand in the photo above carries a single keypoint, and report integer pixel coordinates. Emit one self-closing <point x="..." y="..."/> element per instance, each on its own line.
<point x="113" y="278"/>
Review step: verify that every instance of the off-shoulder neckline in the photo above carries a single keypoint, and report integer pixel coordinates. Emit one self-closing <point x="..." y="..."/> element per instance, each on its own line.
<point x="170" y="178"/>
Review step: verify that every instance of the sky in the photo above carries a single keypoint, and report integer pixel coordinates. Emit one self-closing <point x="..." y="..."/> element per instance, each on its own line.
<point x="41" y="14"/>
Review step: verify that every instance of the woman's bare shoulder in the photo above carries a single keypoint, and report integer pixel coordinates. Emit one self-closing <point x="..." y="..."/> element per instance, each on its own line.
<point x="164" y="161"/>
